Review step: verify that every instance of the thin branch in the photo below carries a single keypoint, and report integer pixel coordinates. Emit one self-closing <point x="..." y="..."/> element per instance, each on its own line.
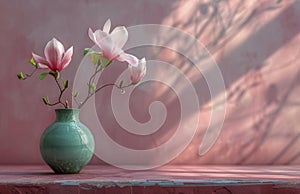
<point x="76" y="101"/>
<point x="100" y="88"/>
<point x="60" y="95"/>
<point x="92" y="78"/>
<point x="31" y="74"/>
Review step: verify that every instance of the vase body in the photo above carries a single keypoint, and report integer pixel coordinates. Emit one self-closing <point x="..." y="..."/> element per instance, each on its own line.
<point x="67" y="145"/>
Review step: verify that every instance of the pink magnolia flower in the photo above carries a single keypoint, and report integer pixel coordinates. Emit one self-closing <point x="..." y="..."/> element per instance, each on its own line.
<point x="56" y="57"/>
<point x="112" y="43"/>
<point x="138" y="72"/>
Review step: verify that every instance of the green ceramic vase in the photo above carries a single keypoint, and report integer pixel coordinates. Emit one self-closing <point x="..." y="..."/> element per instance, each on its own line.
<point x="67" y="145"/>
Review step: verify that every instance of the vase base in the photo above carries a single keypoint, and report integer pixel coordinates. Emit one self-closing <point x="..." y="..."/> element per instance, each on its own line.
<point x="59" y="170"/>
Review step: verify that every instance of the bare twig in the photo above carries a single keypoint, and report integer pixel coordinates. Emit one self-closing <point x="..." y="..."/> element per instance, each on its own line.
<point x="62" y="90"/>
<point x="100" y="88"/>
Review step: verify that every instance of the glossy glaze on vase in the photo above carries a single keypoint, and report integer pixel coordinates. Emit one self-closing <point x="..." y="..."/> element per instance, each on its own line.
<point x="67" y="145"/>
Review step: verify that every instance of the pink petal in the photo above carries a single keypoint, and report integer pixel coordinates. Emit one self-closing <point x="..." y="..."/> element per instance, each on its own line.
<point x="108" y="48"/>
<point x="134" y="74"/>
<point x="119" y="36"/>
<point x="54" y="51"/>
<point x="41" y="61"/>
<point x="106" y="27"/>
<point x="43" y="66"/>
<point x="138" y="72"/>
<point x="132" y="60"/>
<point x="66" y="59"/>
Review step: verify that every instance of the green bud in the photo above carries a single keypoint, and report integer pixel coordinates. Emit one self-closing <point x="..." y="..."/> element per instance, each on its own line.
<point x="66" y="84"/>
<point x="54" y="74"/>
<point x="93" y="87"/>
<point x="86" y="51"/>
<point x="33" y="63"/>
<point x="67" y="104"/>
<point x="21" y="76"/>
<point x="75" y="93"/>
<point x="121" y="84"/>
<point x="46" y="100"/>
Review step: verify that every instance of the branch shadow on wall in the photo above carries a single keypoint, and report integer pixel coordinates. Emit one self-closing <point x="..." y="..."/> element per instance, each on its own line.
<point x="235" y="69"/>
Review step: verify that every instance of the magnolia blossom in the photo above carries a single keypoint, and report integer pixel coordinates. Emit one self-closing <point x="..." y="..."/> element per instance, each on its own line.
<point x="56" y="57"/>
<point x="112" y="43"/>
<point x="138" y="72"/>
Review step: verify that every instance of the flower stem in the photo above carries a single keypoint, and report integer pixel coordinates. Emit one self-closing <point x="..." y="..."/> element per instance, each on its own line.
<point x="61" y="90"/>
<point x="92" y="78"/>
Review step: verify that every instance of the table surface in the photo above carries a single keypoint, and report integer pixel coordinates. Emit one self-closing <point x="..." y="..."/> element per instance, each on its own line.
<point x="167" y="179"/>
<point x="166" y="175"/>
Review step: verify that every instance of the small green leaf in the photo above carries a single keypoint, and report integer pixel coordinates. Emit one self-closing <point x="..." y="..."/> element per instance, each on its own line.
<point x="32" y="62"/>
<point x="21" y="76"/>
<point x="104" y="61"/>
<point x="95" y="58"/>
<point x="75" y="93"/>
<point x="46" y="100"/>
<point x="86" y="51"/>
<point x="93" y="87"/>
<point x="43" y="75"/>
<point x="63" y="81"/>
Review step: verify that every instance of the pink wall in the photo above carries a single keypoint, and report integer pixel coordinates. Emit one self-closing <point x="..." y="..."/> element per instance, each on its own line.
<point x="255" y="43"/>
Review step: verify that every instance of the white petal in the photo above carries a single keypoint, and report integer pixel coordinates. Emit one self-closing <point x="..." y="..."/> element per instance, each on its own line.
<point x="106" y="27"/>
<point x="91" y="35"/>
<point x="142" y="63"/>
<point x="132" y="60"/>
<point x="119" y="36"/>
<point x="99" y="35"/>
<point x="107" y="47"/>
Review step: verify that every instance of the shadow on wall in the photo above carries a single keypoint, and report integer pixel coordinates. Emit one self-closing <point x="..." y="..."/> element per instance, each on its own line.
<point x="254" y="44"/>
<point x="250" y="85"/>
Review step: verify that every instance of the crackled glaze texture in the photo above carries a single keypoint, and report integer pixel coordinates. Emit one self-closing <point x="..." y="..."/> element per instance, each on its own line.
<point x="67" y="145"/>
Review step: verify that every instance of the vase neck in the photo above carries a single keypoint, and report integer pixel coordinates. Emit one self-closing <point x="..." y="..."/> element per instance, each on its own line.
<point x="68" y="114"/>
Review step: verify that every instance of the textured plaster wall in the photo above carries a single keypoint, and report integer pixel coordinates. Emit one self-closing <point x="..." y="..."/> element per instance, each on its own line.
<point x="255" y="43"/>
